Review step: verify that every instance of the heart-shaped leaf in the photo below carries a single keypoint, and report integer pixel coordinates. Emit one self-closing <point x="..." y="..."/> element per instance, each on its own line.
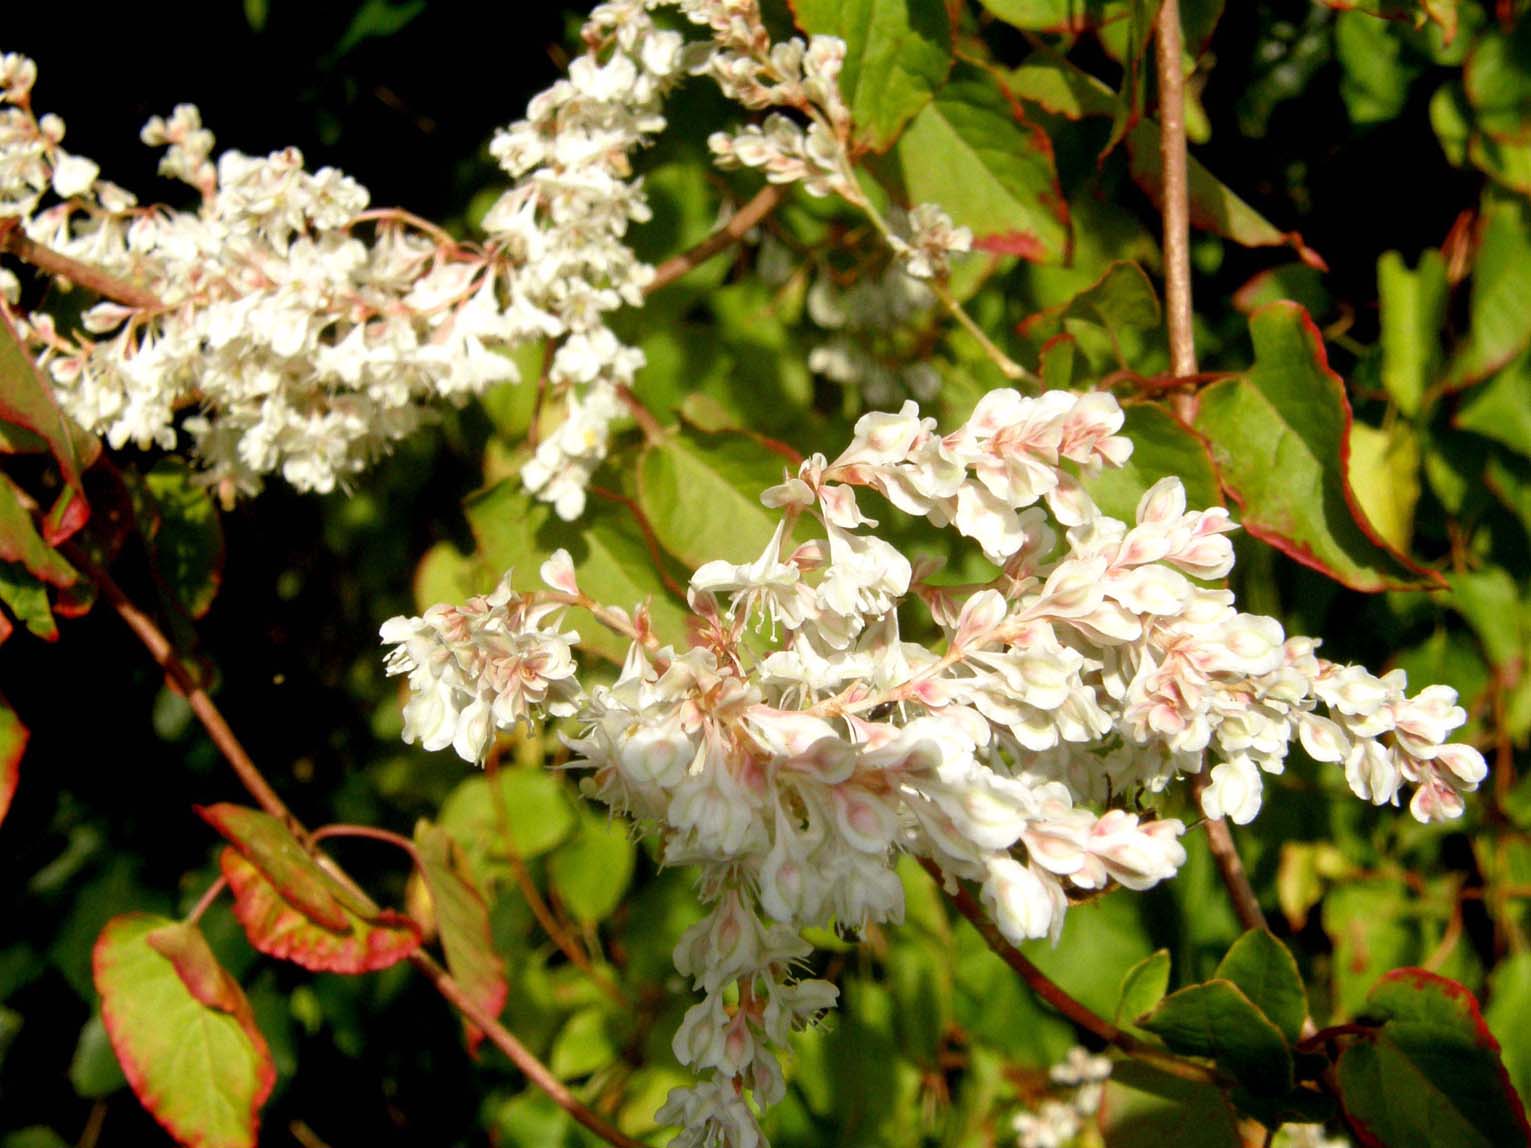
<point x="1430" y="1073"/>
<point x="182" y="1030"/>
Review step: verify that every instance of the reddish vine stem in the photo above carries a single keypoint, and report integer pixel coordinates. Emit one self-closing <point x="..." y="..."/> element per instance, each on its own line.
<point x="163" y="653"/>
<point x="1081" y="1016"/>
<point x="738" y="225"/>
<point x="397" y="840"/>
<point x="1182" y="339"/>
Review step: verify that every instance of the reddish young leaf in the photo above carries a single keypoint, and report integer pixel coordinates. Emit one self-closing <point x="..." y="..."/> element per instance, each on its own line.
<point x="13" y="743"/>
<point x="271" y="848"/>
<point x="462" y="918"/>
<point x="1429" y="1073"/>
<point x="277" y="928"/>
<point x="182" y="1030"/>
<point x="1280" y="436"/>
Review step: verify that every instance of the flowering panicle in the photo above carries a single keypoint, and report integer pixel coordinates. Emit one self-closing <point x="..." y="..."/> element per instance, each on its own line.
<point x="1057" y="1121"/>
<point x="800" y="743"/>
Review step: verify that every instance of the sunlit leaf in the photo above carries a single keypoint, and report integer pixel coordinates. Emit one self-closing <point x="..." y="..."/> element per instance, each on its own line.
<point x="897" y="53"/>
<point x="1413" y="307"/>
<point x="1280" y="436"/>
<point x="183" y="1031"/>
<point x="1162" y="446"/>
<point x="591" y="872"/>
<point x="971" y="151"/>
<point x="1218" y="1020"/>
<point x="1265" y="970"/>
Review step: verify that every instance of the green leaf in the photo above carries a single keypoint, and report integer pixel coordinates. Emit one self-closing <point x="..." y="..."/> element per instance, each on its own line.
<point x="1376" y="68"/>
<point x="462" y="920"/>
<point x="182" y="1030"/>
<point x="1500" y="409"/>
<point x="1430" y="1074"/>
<point x="612" y="559"/>
<point x="1490" y="601"/>
<point x="1217" y="1020"/>
<point x="93" y="1070"/>
<point x="1497" y="80"/>
<point x="20" y="541"/>
<point x="13" y="743"/>
<point x="1143" y="987"/>
<point x="1509" y="1004"/>
<point x="536" y="810"/>
<point x="186" y="539"/>
<point x="1370" y="923"/>
<point x="897" y="53"/>
<point x="971" y="151"/>
<point x="27" y="598"/>
<point x="582" y="1045"/>
<point x="1267" y="973"/>
<point x="1280" y="436"/>
<point x="1161" y="446"/>
<point x="701" y="494"/>
<point x="1121" y="302"/>
<point x="1384" y="473"/>
<point x="591" y="873"/>
<point x="1443" y="13"/>
<point x="26" y="401"/>
<point x="1146" y="1108"/>
<point x="1048" y="15"/>
<point x="1413" y="308"/>
<point x="1501" y="284"/>
<point x="292" y="909"/>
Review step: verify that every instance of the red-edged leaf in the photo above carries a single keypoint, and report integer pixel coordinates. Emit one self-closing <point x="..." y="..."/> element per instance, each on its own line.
<point x="13" y="743"/>
<point x="1443" y="13"/>
<point x="1429" y="1073"/>
<point x="20" y="541"/>
<point x="293" y="909"/>
<point x="972" y="151"/>
<point x="278" y="929"/>
<point x="1064" y="90"/>
<point x="462" y="920"/>
<point x="26" y="401"/>
<point x="27" y="598"/>
<point x="270" y="847"/>
<point x="182" y="1030"/>
<point x="1280" y="436"/>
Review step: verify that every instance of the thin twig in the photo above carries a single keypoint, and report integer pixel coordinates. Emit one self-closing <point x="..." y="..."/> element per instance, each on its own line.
<point x="206" y="899"/>
<point x="82" y="274"/>
<point x="397" y="840"/>
<point x="560" y="936"/>
<point x="202" y="705"/>
<point x="1230" y="866"/>
<point x="737" y="226"/>
<point x="1054" y="994"/>
<point x="1007" y="366"/>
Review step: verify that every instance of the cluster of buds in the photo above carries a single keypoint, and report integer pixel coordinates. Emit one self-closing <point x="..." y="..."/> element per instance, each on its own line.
<point x="801" y="743"/>
<point x="1056" y="1122"/>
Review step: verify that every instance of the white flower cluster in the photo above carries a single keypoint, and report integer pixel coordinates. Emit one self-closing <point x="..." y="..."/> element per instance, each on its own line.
<point x="871" y="320"/>
<point x="563" y="226"/>
<point x="1055" y="1123"/>
<point x="800" y="742"/>
<point x="296" y="345"/>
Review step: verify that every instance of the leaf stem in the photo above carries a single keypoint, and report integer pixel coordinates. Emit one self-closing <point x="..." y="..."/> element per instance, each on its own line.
<point x="397" y="840"/>
<point x="206" y="900"/>
<point x="223" y="737"/>
<point x="1054" y="994"/>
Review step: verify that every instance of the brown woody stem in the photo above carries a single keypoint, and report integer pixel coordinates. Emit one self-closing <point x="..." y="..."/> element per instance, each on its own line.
<point x="1176" y="205"/>
<point x="212" y="720"/>
<point x="82" y="274"/>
